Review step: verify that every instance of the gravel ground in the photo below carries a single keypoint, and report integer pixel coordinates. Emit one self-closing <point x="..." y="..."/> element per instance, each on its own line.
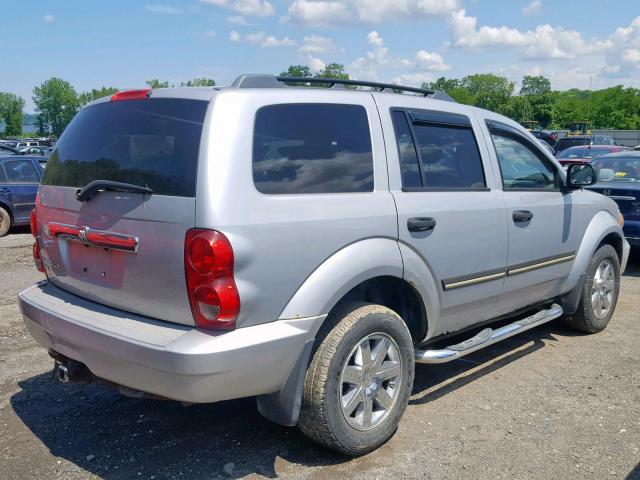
<point x="548" y="404"/>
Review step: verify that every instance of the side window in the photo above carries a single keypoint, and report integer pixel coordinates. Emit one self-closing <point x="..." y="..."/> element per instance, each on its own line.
<point x="522" y="167"/>
<point x="21" y="171"/>
<point x="443" y="155"/>
<point x="312" y="148"/>
<point x="406" y="151"/>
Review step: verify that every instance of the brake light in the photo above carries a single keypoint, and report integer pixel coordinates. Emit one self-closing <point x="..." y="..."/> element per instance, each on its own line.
<point x="131" y="95"/>
<point x="33" y="223"/>
<point x="213" y="294"/>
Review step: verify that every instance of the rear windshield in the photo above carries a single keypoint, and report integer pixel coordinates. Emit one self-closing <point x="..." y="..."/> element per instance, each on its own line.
<point x="571" y="142"/>
<point x="147" y="142"/>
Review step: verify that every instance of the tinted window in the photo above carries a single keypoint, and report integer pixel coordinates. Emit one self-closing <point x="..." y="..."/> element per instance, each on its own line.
<point x="21" y="171"/>
<point x="617" y="169"/>
<point x="406" y="151"/>
<point x="521" y="166"/>
<point x="151" y="142"/>
<point x="312" y="148"/>
<point x="449" y="156"/>
<point x="571" y="142"/>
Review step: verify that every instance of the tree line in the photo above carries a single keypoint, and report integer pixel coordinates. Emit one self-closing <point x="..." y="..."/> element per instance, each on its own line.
<point x="56" y="101"/>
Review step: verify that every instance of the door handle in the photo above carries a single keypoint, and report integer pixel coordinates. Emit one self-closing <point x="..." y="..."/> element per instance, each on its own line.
<point x="521" y="216"/>
<point x="421" y="224"/>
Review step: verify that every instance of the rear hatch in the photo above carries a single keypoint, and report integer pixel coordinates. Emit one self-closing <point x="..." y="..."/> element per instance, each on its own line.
<point x="124" y="248"/>
<point x="627" y="196"/>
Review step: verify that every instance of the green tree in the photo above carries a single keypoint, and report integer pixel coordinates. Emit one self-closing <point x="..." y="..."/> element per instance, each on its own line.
<point x="95" y="93"/>
<point x="11" y="107"/>
<point x="155" y="83"/>
<point x="333" y="70"/>
<point x="56" y="102"/>
<point x="488" y="91"/>
<point x="199" y="82"/>
<point x="537" y="85"/>
<point x="297" y="71"/>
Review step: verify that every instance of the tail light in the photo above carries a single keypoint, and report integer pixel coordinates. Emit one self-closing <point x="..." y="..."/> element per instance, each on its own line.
<point x="33" y="223"/>
<point x="213" y="295"/>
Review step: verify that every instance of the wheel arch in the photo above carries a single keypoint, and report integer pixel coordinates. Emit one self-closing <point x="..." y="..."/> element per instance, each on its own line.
<point x="603" y="229"/>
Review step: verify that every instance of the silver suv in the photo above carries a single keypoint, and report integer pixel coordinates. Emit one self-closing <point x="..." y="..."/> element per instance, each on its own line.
<point x="306" y="246"/>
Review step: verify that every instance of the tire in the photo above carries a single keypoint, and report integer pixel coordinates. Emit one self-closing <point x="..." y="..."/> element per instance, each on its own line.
<point x="5" y="222"/>
<point x="339" y="375"/>
<point x="601" y="280"/>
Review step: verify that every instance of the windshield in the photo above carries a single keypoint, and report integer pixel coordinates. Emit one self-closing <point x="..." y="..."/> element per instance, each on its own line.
<point x="617" y="169"/>
<point x="147" y="142"/>
<point x="583" y="152"/>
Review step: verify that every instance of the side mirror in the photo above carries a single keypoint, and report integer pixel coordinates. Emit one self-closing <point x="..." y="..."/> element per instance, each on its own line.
<point x="580" y="175"/>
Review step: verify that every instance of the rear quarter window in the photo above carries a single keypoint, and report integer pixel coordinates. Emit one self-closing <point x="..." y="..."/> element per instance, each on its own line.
<point x="312" y="148"/>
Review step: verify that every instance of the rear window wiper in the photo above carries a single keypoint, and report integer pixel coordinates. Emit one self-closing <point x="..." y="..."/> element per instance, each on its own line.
<point x="91" y="189"/>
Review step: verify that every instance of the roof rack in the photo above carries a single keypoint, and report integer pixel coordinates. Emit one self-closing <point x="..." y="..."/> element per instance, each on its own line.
<point x="271" y="81"/>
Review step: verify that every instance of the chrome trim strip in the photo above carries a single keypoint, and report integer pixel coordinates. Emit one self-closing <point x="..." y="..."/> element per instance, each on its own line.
<point x="535" y="266"/>
<point x="621" y="197"/>
<point x="473" y="281"/>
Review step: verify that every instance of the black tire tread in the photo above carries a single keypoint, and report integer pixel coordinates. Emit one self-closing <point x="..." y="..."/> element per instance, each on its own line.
<point x="582" y="320"/>
<point x="313" y="416"/>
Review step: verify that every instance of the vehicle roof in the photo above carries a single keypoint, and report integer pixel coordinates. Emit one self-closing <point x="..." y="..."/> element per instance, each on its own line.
<point x="592" y="147"/>
<point x="622" y="154"/>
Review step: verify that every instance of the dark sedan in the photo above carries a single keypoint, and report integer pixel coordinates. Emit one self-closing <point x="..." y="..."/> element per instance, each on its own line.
<point x="19" y="180"/>
<point x="619" y="179"/>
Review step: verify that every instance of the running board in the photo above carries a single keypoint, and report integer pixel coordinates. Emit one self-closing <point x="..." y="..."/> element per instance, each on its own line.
<point x="488" y="337"/>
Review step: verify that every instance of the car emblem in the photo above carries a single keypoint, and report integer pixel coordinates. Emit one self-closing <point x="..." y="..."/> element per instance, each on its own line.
<point x="82" y="234"/>
<point x="606" y="192"/>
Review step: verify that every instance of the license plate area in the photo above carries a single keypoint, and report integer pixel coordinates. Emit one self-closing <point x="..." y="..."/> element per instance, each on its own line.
<point x="96" y="265"/>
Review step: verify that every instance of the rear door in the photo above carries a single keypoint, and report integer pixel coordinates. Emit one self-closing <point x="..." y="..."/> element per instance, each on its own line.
<point x="123" y="249"/>
<point x="542" y="220"/>
<point x="447" y="209"/>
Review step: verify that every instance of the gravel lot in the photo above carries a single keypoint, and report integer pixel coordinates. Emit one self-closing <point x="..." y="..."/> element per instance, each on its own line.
<point x="548" y="404"/>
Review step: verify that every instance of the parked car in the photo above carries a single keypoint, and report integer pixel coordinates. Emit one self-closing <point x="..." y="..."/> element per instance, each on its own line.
<point x="19" y="180"/>
<point x="307" y="246"/>
<point x="39" y="150"/>
<point x="581" y="140"/>
<point x="619" y="179"/>
<point x="548" y="136"/>
<point x="585" y="154"/>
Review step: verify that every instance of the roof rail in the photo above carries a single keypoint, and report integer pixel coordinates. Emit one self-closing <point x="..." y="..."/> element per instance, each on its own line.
<point x="271" y="81"/>
<point x="356" y="83"/>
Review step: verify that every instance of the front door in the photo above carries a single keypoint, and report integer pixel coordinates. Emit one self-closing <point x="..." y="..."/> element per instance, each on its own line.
<point x="542" y="243"/>
<point x="448" y="213"/>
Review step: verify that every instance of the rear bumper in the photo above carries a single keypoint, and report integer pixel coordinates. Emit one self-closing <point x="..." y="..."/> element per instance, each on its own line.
<point x="171" y="360"/>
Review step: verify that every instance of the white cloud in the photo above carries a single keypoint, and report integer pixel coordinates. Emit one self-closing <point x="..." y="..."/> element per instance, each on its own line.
<point x="210" y="34"/>
<point x="623" y="59"/>
<point x="431" y="61"/>
<point x="317" y="44"/>
<point x="378" y="61"/>
<point x="256" y="8"/>
<point x="164" y="9"/>
<point x="238" y="20"/>
<point x="315" y="64"/>
<point x="266" y="41"/>
<point x="532" y="8"/>
<point x="234" y="36"/>
<point x="331" y="12"/>
<point x="48" y="18"/>
<point x="544" y="42"/>
<point x="413" y="79"/>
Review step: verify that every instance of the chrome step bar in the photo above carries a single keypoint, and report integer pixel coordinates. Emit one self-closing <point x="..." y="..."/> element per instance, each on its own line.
<point x="488" y="337"/>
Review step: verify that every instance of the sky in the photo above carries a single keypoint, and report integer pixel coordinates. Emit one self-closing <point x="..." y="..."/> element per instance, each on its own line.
<point x="122" y="43"/>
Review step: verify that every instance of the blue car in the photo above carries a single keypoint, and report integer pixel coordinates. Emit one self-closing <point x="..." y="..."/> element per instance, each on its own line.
<point x="19" y="180"/>
<point x="619" y="179"/>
